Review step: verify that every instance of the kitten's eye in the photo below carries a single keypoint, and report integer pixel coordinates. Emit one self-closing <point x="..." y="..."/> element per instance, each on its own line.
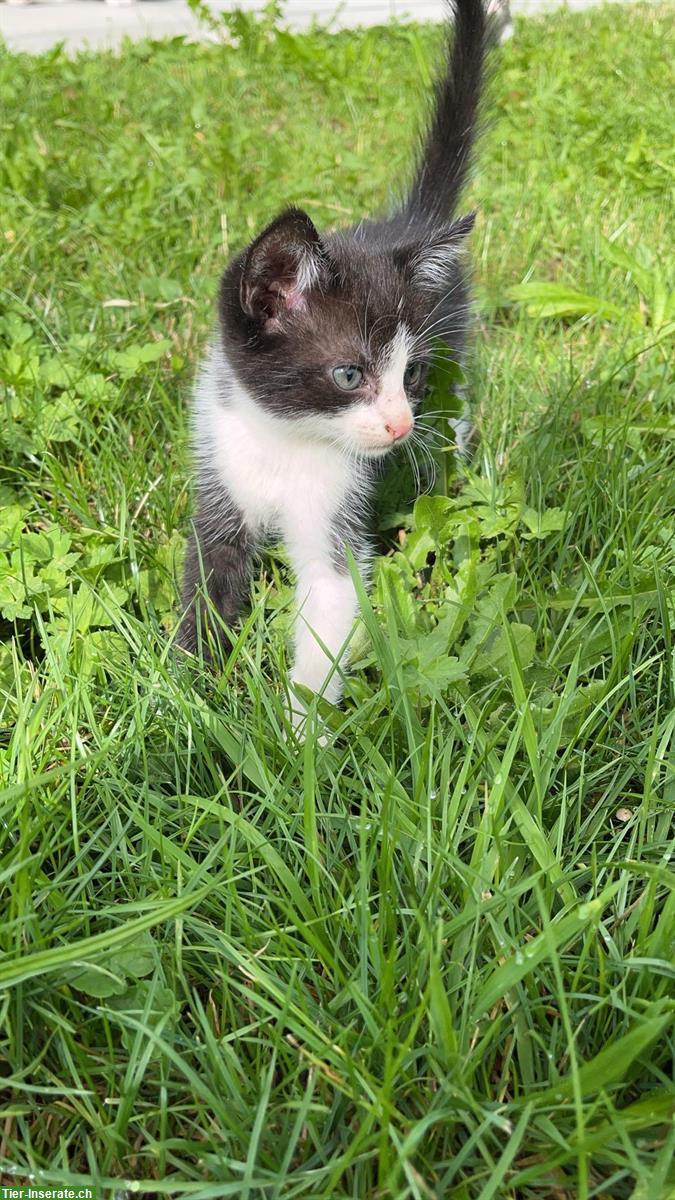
<point x="348" y="378"/>
<point x="412" y="375"/>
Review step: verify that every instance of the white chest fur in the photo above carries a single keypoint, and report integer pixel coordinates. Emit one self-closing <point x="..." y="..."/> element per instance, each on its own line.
<point x="280" y="481"/>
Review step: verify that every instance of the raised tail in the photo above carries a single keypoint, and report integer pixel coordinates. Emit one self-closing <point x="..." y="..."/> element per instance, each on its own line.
<point x="448" y="145"/>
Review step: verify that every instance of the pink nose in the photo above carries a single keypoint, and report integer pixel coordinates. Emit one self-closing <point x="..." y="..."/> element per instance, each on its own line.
<point x="399" y="429"/>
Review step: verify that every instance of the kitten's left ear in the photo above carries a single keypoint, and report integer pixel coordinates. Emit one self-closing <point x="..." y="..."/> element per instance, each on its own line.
<point x="430" y="260"/>
<point x="280" y="267"/>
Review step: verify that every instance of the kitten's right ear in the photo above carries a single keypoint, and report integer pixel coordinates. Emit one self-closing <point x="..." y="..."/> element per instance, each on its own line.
<point x="280" y="268"/>
<point x="430" y="259"/>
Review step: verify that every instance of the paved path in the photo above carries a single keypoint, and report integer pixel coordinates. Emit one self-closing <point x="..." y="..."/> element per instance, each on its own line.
<point x="80" y="23"/>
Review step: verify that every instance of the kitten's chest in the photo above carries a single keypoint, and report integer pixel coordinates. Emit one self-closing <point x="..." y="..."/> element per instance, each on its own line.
<point x="279" y="482"/>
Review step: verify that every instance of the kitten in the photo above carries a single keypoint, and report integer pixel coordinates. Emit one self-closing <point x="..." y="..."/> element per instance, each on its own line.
<point x="319" y="367"/>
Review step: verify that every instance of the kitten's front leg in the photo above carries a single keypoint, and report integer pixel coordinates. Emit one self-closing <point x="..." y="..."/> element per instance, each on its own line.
<point x="327" y="608"/>
<point x="218" y="562"/>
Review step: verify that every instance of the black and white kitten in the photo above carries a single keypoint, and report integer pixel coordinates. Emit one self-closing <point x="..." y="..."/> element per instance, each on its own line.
<point x="318" y="370"/>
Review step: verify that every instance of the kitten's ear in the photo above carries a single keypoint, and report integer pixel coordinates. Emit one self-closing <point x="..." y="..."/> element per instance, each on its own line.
<point x="430" y="260"/>
<point x="280" y="267"/>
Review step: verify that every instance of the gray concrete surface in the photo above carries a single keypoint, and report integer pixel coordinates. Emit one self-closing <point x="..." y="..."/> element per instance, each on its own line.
<point x="78" y="23"/>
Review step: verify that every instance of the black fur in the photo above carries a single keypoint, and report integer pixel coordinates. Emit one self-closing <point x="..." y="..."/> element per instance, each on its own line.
<point x="219" y="554"/>
<point x="447" y="150"/>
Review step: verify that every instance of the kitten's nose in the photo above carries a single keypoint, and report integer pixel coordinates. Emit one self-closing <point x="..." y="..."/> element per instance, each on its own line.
<point x="399" y="429"/>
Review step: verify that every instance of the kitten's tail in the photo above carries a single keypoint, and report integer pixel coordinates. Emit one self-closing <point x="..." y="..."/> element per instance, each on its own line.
<point x="447" y="148"/>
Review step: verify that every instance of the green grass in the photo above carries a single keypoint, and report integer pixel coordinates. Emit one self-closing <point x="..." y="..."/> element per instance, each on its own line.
<point x="434" y="957"/>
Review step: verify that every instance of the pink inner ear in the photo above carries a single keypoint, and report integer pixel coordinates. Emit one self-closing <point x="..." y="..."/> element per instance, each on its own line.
<point x="291" y="295"/>
<point x="295" y="299"/>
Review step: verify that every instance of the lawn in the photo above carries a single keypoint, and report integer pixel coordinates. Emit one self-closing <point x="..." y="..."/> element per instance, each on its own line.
<point x="433" y="957"/>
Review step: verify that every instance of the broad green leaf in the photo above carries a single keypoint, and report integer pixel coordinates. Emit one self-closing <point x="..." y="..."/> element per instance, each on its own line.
<point x="433" y="678"/>
<point x="59" y="420"/>
<point x="11" y="525"/>
<point x="445" y="380"/>
<point x="160" y="288"/>
<point x="495" y="656"/>
<point x="58" y="372"/>
<point x="147" y="999"/>
<point x="100" y="981"/>
<point x="430" y="514"/>
<point x="499" y="599"/>
<point x="540" y="524"/>
<point x="134" y="358"/>
<point x="137" y="958"/>
<point x="557" y="300"/>
<point x="13" y="593"/>
<point x="89" y="609"/>
<point x="459" y="598"/>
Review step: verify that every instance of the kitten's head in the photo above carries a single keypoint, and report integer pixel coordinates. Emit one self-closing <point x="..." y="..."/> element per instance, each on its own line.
<point x="335" y="334"/>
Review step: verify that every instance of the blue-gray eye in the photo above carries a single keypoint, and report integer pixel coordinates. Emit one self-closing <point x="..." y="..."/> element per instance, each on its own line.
<point x="348" y="378"/>
<point x="412" y="375"/>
